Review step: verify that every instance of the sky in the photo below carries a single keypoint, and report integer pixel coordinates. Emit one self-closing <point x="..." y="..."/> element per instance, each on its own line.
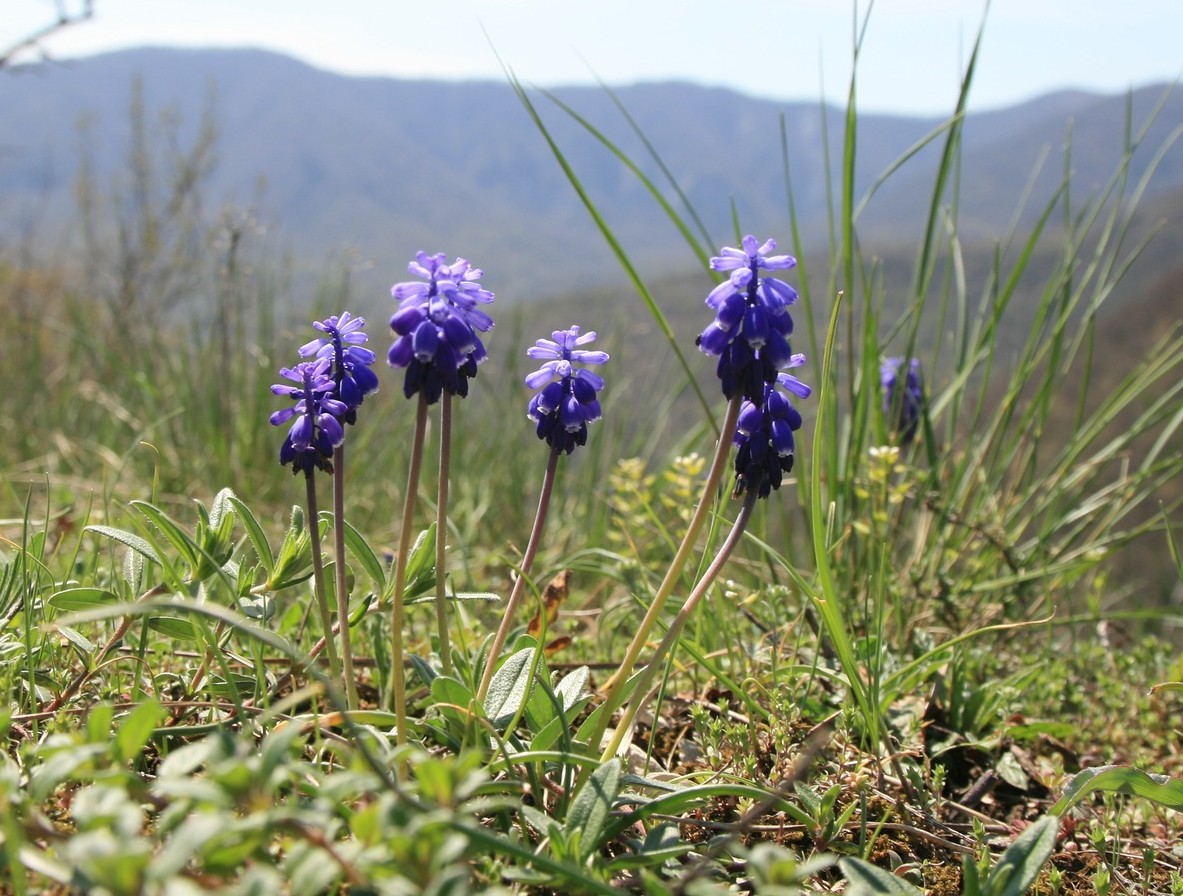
<point x="912" y="54"/>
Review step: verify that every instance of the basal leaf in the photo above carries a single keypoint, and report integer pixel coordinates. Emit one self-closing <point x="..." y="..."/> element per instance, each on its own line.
<point x="420" y="574"/>
<point x="173" y="534"/>
<point x="509" y="687"/>
<point x="1121" y="779"/>
<point x="571" y="688"/>
<point x="255" y="533"/>
<point x="128" y="539"/>
<point x="865" y="879"/>
<point x="1018" y="867"/>
<point x="356" y="544"/>
<point x="134" y="731"/>
<point x="81" y="598"/>
<point x="592" y="808"/>
<point x="174" y="627"/>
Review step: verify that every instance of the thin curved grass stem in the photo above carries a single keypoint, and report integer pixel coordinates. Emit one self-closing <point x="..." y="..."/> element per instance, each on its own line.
<point x="666" y="647"/>
<point x="615" y="685"/>
<point x="441" y="534"/>
<point x="398" y="692"/>
<point x="342" y="594"/>
<point x="519" y="585"/>
<point x="318" y="577"/>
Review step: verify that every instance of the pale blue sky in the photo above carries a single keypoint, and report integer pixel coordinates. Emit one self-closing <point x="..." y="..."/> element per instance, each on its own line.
<point x="781" y="49"/>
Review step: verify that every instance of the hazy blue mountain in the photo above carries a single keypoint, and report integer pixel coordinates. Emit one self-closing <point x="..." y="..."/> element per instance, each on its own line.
<point x="382" y="167"/>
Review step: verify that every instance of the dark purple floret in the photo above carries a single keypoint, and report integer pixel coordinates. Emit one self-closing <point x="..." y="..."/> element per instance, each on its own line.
<point x="436" y="326"/>
<point x="903" y="396"/>
<point x="317" y="428"/>
<point x="764" y="435"/>
<point x="568" y="400"/>
<point x="752" y="325"/>
<point x="342" y="347"/>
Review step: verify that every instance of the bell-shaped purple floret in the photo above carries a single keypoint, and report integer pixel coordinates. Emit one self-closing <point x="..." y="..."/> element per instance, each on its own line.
<point x="749" y="334"/>
<point x="568" y="399"/>
<point x="441" y="321"/>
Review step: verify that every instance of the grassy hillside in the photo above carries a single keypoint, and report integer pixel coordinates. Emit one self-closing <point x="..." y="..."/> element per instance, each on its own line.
<point x="366" y="169"/>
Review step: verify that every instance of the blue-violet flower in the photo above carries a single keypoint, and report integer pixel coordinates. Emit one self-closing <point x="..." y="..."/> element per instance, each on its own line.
<point x="436" y="324"/>
<point x="317" y="429"/>
<point x="568" y="400"/>
<point x="750" y="332"/>
<point x="342" y="346"/>
<point x="764" y="435"/>
<point x="903" y="396"/>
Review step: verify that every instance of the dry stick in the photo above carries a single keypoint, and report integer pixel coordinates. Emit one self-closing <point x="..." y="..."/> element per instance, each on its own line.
<point x="675" y="630"/>
<point x="441" y="532"/>
<point x="519" y="585"/>
<point x="342" y="597"/>
<point x="318" y="577"/>
<point x="397" y="674"/>
<point x="615" y="685"/>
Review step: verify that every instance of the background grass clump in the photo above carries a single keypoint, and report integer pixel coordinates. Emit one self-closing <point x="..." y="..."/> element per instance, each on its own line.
<point x="940" y="656"/>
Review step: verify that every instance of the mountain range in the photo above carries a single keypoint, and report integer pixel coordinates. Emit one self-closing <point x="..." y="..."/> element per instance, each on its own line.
<point x="373" y="169"/>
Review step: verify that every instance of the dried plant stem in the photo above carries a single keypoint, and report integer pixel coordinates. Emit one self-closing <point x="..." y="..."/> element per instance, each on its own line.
<point x="318" y="577"/>
<point x="616" y="684"/>
<point x="342" y="593"/>
<point x="441" y="533"/>
<point x="519" y="585"/>
<point x="80" y="679"/>
<point x="398" y="691"/>
<point x="666" y="647"/>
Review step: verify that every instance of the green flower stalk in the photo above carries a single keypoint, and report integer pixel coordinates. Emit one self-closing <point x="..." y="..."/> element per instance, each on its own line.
<point x="568" y="399"/>
<point x="436" y="326"/>
<point x="764" y="452"/>
<point x="397" y="695"/>
<point x="354" y="380"/>
<point x="749" y="337"/>
<point x="309" y="446"/>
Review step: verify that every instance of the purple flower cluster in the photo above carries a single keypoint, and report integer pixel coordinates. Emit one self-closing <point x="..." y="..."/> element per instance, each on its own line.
<point x="568" y="400"/>
<point x="903" y="396"/>
<point x="750" y="332"/>
<point x="342" y="346"/>
<point x="764" y="435"/>
<point x="437" y="324"/>
<point x="317" y="429"/>
<point x="329" y="389"/>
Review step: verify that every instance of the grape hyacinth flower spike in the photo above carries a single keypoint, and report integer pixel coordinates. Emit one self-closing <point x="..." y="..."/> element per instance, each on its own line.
<point x="342" y="346"/>
<point x="752" y="325"/>
<point x="310" y="445"/>
<point x="903" y="396"/>
<point x="750" y="337"/>
<point x="436" y="326"/>
<point x="317" y="428"/>
<point x="568" y="398"/>
<point x="350" y="370"/>
<point x="567" y="401"/>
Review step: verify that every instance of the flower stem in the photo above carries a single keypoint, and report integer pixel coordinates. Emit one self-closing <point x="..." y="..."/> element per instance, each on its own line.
<point x="342" y="594"/>
<point x="519" y="585"/>
<point x="398" y="690"/>
<point x="665" y="648"/>
<point x="318" y="577"/>
<point x="615" y="685"/>
<point x="441" y="533"/>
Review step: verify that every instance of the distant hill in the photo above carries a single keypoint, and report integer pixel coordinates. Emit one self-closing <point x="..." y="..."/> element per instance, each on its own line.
<point x="383" y="167"/>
